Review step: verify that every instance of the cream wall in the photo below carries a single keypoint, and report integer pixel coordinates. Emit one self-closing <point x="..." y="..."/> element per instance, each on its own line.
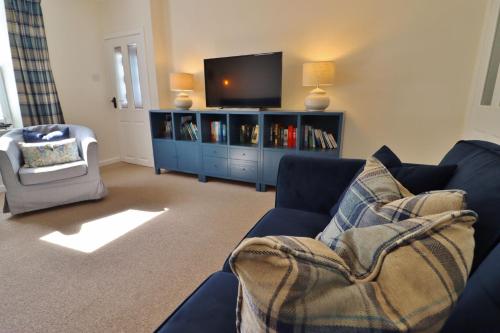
<point x="403" y="67"/>
<point x="74" y="36"/>
<point x="76" y="31"/>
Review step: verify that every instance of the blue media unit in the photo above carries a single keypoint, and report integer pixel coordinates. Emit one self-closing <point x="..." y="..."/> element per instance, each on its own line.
<point x="230" y="158"/>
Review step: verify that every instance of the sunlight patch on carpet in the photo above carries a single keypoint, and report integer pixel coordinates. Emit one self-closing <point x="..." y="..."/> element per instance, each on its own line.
<point x="97" y="233"/>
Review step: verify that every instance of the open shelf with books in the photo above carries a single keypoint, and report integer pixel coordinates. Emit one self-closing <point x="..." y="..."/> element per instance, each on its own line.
<point x="243" y="145"/>
<point x="319" y="133"/>
<point x="186" y="127"/>
<point x="244" y="130"/>
<point x="162" y="126"/>
<point x="214" y="128"/>
<point x="280" y="131"/>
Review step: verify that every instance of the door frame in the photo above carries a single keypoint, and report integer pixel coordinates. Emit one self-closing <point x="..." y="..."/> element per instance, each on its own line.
<point x="142" y="35"/>
<point x="490" y="20"/>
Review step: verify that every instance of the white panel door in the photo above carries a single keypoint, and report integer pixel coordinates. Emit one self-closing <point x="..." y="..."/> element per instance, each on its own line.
<point x="483" y="119"/>
<point x="131" y="97"/>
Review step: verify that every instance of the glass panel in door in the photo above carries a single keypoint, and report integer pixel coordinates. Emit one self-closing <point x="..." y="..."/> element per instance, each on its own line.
<point x="134" y="75"/>
<point x="121" y="86"/>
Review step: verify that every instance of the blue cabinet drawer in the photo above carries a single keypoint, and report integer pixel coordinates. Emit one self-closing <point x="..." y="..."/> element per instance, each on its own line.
<point x="165" y="154"/>
<point x="244" y="170"/>
<point x="215" y="166"/>
<point x="243" y="154"/>
<point x="214" y="151"/>
<point x="188" y="156"/>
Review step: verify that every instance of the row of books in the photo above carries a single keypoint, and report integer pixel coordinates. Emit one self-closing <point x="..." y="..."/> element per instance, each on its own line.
<point x="249" y="134"/>
<point x="189" y="130"/>
<point x="280" y="136"/>
<point x="218" y="132"/>
<point x="316" y="138"/>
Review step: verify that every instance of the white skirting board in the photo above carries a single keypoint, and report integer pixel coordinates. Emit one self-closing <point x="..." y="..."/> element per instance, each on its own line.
<point x="109" y="161"/>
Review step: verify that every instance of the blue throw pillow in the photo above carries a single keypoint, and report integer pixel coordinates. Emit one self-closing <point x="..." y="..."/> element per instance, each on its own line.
<point x="416" y="178"/>
<point x="31" y="136"/>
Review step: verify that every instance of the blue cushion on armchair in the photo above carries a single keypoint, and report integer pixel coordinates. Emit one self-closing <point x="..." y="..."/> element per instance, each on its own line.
<point x="31" y="136"/>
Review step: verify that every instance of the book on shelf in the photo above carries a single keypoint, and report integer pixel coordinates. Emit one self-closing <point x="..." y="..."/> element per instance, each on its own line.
<point x="218" y="132"/>
<point x="249" y="134"/>
<point x="188" y="129"/>
<point x="317" y="138"/>
<point x="281" y="136"/>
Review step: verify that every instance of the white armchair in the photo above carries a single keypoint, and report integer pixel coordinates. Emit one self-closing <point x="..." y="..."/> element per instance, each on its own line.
<point x="30" y="189"/>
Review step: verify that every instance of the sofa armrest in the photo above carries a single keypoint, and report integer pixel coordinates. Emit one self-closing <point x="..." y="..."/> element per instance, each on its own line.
<point x="313" y="184"/>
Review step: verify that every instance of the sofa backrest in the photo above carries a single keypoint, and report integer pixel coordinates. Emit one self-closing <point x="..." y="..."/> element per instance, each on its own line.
<point x="478" y="173"/>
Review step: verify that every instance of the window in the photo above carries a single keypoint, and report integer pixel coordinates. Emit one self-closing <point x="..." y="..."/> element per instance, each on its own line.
<point x="10" y="111"/>
<point x="5" y="111"/>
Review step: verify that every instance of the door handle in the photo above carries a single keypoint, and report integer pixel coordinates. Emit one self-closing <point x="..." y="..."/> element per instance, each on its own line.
<point x="113" y="100"/>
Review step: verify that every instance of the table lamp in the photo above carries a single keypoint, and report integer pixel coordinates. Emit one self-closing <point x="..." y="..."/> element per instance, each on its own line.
<point x="182" y="82"/>
<point x="315" y="74"/>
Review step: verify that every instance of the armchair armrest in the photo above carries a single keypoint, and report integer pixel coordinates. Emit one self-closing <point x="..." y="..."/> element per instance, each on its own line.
<point x="86" y="142"/>
<point x="10" y="159"/>
<point x="313" y="184"/>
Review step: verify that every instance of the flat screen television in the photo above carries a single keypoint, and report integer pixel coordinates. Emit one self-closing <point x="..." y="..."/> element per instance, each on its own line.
<point x="248" y="81"/>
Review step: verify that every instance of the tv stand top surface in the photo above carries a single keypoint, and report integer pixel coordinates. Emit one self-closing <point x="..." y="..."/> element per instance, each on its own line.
<point x="250" y="111"/>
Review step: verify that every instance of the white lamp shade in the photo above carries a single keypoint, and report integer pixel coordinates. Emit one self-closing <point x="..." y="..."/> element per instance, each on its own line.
<point x="318" y="73"/>
<point x="181" y="82"/>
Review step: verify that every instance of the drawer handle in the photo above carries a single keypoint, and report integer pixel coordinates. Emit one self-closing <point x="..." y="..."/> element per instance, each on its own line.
<point x="215" y="151"/>
<point x="215" y="166"/>
<point x="243" y="169"/>
<point x="243" y="154"/>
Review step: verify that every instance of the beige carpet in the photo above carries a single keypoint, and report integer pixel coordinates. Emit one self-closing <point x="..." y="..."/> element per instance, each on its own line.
<point x="134" y="282"/>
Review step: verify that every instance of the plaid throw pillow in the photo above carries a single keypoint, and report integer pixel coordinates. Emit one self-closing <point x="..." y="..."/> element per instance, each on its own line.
<point x="390" y="262"/>
<point x="385" y="278"/>
<point x="376" y="197"/>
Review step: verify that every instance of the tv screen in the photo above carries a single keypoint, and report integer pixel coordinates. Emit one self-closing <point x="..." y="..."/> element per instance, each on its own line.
<point x="252" y="81"/>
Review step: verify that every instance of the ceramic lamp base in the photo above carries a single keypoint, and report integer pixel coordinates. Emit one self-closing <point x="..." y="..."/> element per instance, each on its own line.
<point x="183" y="102"/>
<point x="317" y="100"/>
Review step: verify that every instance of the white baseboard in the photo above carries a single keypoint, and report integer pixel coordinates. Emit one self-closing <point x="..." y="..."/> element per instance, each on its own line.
<point x="109" y="161"/>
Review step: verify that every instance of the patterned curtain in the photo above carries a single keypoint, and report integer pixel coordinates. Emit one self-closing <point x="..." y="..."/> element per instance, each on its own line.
<point x="35" y="84"/>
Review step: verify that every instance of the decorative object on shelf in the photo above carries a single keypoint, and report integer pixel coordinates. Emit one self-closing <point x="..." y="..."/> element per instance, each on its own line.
<point x="315" y="74"/>
<point x="167" y="128"/>
<point x="249" y="134"/>
<point x="182" y="82"/>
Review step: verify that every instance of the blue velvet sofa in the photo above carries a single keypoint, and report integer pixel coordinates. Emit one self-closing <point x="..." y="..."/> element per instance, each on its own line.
<point x="306" y="190"/>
